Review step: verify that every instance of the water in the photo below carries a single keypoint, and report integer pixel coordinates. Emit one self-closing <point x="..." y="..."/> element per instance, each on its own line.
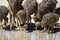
<point x="35" y="35"/>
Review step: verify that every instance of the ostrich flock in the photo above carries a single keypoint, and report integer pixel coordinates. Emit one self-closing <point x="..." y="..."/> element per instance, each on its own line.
<point x="45" y="15"/>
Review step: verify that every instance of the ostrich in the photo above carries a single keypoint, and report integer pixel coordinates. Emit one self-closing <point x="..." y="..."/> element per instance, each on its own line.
<point x="49" y="19"/>
<point x="3" y="13"/>
<point x="15" y="6"/>
<point x="21" y="16"/>
<point x="44" y="7"/>
<point x="30" y="6"/>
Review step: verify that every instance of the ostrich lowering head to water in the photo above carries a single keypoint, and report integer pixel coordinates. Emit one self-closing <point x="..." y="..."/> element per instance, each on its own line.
<point x="49" y="19"/>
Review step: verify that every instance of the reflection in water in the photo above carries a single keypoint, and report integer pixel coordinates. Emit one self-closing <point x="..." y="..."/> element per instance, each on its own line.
<point x="58" y="37"/>
<point x="35" y="35"/>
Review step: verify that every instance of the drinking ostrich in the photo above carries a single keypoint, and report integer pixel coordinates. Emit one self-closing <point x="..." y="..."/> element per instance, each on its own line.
<point x="49" y="20"/>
